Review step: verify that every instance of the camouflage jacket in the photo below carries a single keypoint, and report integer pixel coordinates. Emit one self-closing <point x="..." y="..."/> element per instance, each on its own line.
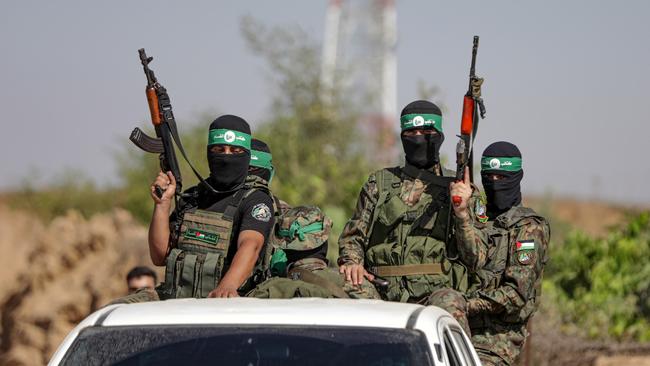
<point x="355" y="235"/>
<point x="506" y="257"/>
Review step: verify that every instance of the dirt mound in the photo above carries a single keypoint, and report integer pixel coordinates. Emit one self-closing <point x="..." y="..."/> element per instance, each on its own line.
<point x="56" y="274"/>
<point x="594" y="218"/>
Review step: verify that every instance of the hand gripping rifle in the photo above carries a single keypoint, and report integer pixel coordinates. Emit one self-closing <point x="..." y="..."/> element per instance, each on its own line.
<point x="469" y="123"/>
<point x="164" y="124"/>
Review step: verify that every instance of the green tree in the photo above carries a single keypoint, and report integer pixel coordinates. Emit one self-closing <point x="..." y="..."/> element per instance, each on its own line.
<point x="316" y="147"/>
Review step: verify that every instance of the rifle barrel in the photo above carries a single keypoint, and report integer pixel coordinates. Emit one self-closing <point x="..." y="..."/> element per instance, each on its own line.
<point x="151" y="79"/>
<point x="472" y="69"/>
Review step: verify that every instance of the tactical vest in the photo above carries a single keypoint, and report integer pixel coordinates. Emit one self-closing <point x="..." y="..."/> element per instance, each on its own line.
<point x="199" y="259"/>
<point x="490" y="276"/>
<point x="407" y="243"/>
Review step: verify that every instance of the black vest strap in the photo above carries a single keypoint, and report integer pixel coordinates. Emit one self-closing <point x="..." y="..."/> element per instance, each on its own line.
<point x="233" y="206"/>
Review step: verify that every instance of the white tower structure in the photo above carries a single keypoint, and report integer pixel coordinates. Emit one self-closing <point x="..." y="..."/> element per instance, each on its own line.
<point x="330" y="48"/>
<point x="359" y="60"/>
<point x="389" y="59"/>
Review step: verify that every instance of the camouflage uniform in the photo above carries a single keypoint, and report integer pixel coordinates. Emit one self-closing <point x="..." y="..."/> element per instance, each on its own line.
<point x="399" y="231"/>
<point x="303" y="232"/>
<point x="506" y="257"/>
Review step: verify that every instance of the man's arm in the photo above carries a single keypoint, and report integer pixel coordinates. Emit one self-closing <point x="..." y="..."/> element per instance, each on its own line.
<point x="255" y="227"/>
<point x="159" y="226"/>
<point x="471" y="242"/>
<point x="527" y="256"/>
<point x="355" y="234"/>
<point x="249" y="245"/>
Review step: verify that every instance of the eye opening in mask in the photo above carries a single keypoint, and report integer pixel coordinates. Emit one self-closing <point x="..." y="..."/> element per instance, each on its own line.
<point x="494" y="177"/>
<point x="419" y="131"/>
<point x="227" y="149"/>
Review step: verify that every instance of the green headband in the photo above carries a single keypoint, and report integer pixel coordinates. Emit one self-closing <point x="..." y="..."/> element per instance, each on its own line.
<point x="297" y="230"/>
<point x="506" y="164"/>
<point x="261" y="159"/>
<point x="417" y="120"/>
<point x="224" y="136"/>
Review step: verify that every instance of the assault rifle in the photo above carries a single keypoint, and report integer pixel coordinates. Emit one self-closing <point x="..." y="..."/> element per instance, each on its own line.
<point x="469" y="122"/>
<point x="164" y="124"/>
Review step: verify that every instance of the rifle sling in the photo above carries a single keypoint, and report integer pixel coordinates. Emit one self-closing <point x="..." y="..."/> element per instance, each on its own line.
<point x="408" y="270"/>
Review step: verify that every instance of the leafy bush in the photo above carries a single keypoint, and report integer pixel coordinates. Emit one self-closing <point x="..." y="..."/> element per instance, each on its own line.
<point x="603" y="285"/>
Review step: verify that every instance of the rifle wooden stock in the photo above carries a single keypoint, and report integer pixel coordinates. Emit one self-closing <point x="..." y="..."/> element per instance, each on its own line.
<point x="152" y="100"/>
<point x="467" y="121"/>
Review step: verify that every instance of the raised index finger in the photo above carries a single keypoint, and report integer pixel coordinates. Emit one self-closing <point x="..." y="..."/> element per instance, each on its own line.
<point x="466" y="176"/>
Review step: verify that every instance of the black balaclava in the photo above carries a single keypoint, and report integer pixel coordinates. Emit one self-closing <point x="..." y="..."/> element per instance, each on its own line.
<point x="422" y="151"/>
<point x="502" y="158"/>
<point x="258" y="145"/>
<point x="227" y="171"/>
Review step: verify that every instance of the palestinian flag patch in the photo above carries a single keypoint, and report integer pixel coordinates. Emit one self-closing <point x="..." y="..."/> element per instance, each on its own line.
<point x="525" y="245"/>
<point x="525" y="251"/>
<point x="201" y="235"/>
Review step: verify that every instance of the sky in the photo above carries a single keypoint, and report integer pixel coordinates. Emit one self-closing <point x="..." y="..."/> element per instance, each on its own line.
<point x="567" y="81"/>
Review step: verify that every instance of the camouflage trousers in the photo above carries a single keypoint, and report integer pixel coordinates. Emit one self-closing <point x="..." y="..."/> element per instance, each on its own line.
<point x="454" y="302"/>
<point x="287" y="288"/>
<point x="141" y="295"/>
<point x="499" y="344"/>
<point x="495" y="343"/>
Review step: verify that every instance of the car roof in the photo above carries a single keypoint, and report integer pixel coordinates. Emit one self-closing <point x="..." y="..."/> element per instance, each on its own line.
<point x="297" y="311"/>
<point x="312" y="312"/>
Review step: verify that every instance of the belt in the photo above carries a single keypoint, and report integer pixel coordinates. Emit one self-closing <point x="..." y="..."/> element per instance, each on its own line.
<point x="408" y="270"/>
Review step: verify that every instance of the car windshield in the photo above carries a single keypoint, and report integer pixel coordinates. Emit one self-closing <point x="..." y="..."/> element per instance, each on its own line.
<point x="278" y="345"/>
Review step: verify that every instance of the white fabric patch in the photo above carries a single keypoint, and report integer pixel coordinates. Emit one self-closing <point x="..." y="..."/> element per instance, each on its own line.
<point x="261" y="212"/>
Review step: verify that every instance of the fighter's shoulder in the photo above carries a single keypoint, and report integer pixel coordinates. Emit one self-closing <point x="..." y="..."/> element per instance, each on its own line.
<point x="382" y="173"/>
<point x="530" y="224"/>
<point x="528" y="216"/>
<point x="519" y="216"/>
<point x="380" y="179"/>
<point x="257" y="196"/>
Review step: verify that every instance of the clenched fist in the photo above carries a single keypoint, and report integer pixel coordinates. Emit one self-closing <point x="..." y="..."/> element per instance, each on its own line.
<point x="462" y="189"/>
<point x="167" y="183"/>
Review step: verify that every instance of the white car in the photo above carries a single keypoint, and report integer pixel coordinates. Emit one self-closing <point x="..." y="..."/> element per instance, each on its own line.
<point x="247" y="331"/>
